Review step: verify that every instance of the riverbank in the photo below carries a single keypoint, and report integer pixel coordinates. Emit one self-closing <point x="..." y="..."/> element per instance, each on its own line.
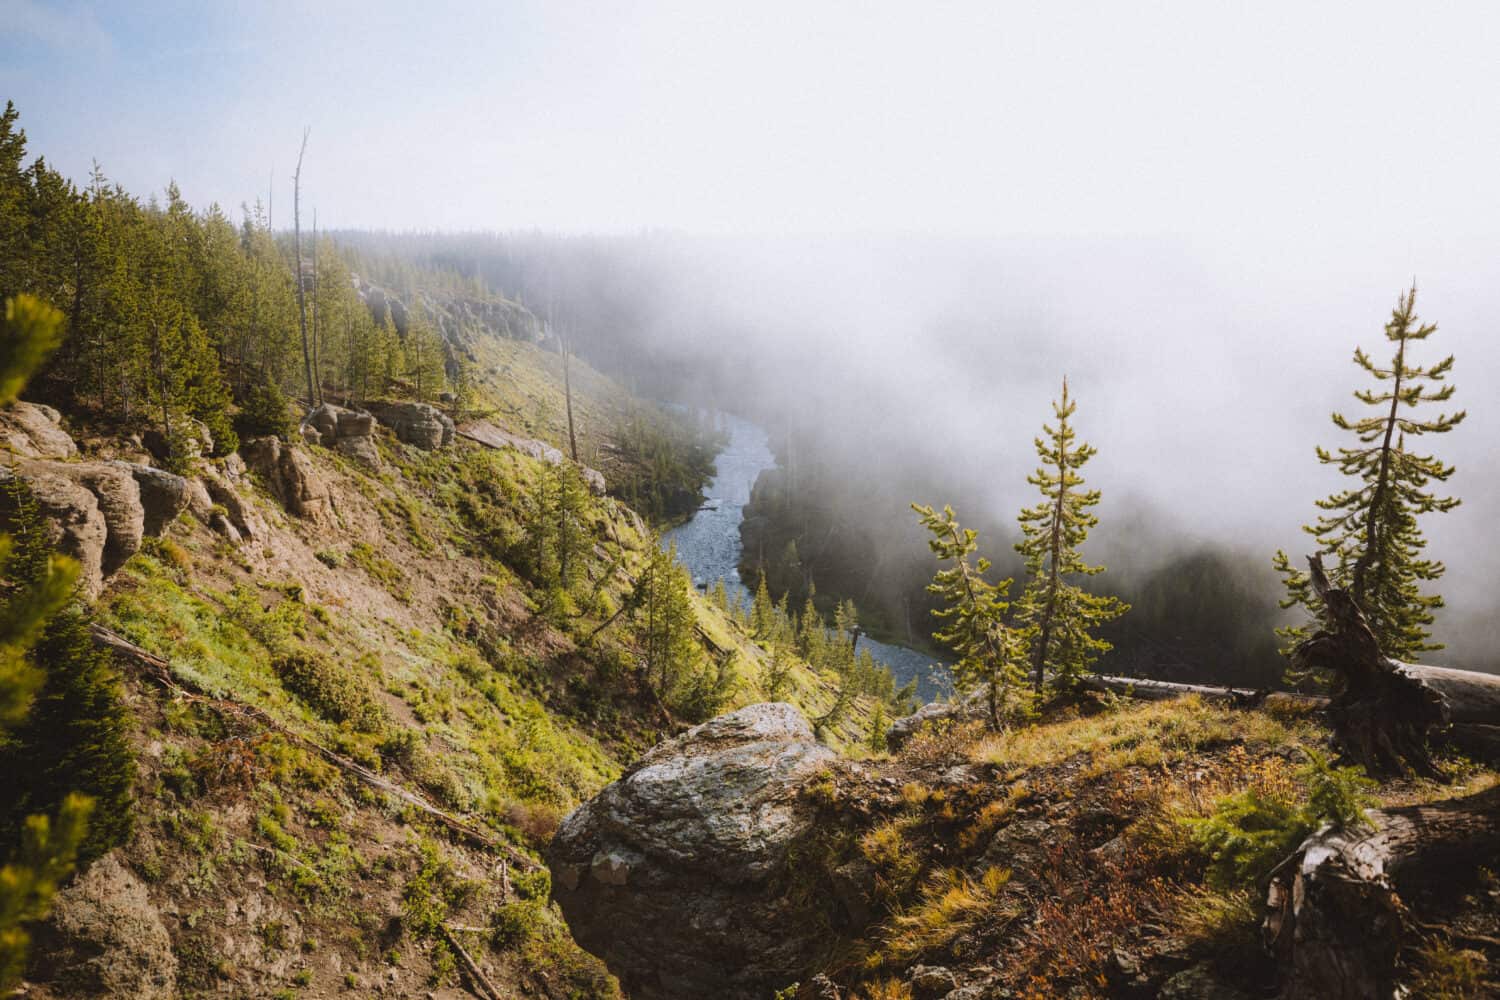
<point x="710" y="545"/>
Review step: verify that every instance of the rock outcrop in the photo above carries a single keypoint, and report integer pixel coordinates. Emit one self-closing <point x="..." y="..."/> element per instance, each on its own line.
<point x="350" y="432"/>
<point x="416" y="424"/>
<point x="677" y="874"/>
<point x="35" y="431"/>
<point x="71" y="511"/>
<point x="291" y="478"/>
<point x="105" y="939"/>
<point x="98" y="512"/>
<point x="487" y="434"/>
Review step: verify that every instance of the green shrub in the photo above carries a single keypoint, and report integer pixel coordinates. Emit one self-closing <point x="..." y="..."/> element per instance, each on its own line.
<point x="1252" y="831"/>
<point x="263" y="411"/>
<point x="516" y="923"/>
<point x="327" y="690"/>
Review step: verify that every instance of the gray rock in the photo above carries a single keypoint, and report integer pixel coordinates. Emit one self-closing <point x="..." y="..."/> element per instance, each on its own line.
<point x="119" y="501"/>
<point x="1024" y="847"/>
<point x="362" y="450"/>
<point x="931" y="982"/>
<point x="163" y="495"/>
<point x="416" y="424"/>
<point x="72" y="512"/>
<point x="105" y="939"/>
<point x="199" y="503"/>
<point x="238" y="512"/>
<point x="34" y="430"/>
<point x="673" y="873"/>
<point x="291" y="478"/>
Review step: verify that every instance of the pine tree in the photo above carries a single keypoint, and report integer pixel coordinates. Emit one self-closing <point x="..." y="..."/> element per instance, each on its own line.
<point x="48" y="847"/>
<point x="1057" y="616"/>
<point x="664" y="611"/>
<point x="1370" y="530"/>
<point x="763" y="611"/>
<point x="973" y="612"/>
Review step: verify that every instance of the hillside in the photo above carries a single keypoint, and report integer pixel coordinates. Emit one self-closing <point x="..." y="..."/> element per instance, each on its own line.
<point x="404" y="625"/>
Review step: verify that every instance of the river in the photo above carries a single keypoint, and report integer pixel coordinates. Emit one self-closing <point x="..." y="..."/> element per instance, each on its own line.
<point x="709" y="545"/>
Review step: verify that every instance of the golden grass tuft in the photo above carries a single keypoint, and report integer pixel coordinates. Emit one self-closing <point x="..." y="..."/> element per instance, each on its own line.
<point x="951" y="904"/>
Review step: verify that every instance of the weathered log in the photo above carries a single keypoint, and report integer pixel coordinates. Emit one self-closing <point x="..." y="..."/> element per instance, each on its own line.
<point x="1382" y="716"/>
<point x="1342" y="908"/>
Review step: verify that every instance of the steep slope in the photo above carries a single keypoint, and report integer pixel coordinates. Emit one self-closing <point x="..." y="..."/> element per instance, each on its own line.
<point x="363" y="700"/>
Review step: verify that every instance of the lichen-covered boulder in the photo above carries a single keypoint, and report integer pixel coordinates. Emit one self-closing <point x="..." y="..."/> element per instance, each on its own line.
<point x="105" y="939"/>
<point x="35" y="431"/>
<point x="416" y="424"/>
<point x="680" y="875"/>
<point x="291" y="477"/>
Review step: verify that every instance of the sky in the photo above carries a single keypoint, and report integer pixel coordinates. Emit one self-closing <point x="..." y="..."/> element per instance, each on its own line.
<point x="957" y="118"/>
<point x="1196" y="210"/>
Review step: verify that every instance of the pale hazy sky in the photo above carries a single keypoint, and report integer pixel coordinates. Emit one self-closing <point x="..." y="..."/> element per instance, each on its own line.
<point x="974" y="118"/>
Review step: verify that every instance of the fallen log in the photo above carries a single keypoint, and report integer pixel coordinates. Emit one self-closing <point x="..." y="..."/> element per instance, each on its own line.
<point x="1345" y="909"/>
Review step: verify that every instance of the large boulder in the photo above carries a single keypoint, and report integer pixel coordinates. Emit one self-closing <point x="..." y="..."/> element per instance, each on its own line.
<point x="291" y="478"/>
<point x="105" y="939"/>
<point x="163" y="495"/>
<point x="350" y="432"/>
<point x="416" y="424"/>
<point x="119" y="501"/>
<point x="98" y="512"/>
<point x="72" y="513"/>
<point x="35" y="431"/>
<point x="677" y="875"/>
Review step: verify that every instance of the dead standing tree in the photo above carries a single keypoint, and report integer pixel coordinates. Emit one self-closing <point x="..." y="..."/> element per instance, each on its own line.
<point x="312" y="397"/>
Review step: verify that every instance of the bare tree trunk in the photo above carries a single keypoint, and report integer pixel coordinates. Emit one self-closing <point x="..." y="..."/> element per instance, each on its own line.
<point x="312" y="399"/>
<point x="1381" y="715"/>
<point x="568" y="395"/>
<point x="316" y="352"/>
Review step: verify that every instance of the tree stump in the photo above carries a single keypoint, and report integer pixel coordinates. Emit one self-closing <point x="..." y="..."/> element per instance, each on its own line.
<point x="1382" y="717"/>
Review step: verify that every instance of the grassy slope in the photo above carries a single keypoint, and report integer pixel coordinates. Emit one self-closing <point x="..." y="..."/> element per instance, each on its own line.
<point x="402" y="637"/>
<point x="1069" y="849"/>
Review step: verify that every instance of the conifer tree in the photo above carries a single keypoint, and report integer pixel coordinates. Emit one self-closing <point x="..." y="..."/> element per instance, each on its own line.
<point x="1370" y="529"/>
<point x="763" y="611"/>
<point x="664" y="610"/>
<point x="1057" y="616"/>
<point x="973" y="612"/>
<point x="48" y="845"/>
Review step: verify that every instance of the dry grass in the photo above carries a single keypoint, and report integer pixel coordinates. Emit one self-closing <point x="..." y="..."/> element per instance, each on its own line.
<point x="951" y="904"/>
<point x="1149" y="734"/>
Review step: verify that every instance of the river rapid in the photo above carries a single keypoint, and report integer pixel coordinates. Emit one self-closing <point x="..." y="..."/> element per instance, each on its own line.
<point x="709" y="545"/>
